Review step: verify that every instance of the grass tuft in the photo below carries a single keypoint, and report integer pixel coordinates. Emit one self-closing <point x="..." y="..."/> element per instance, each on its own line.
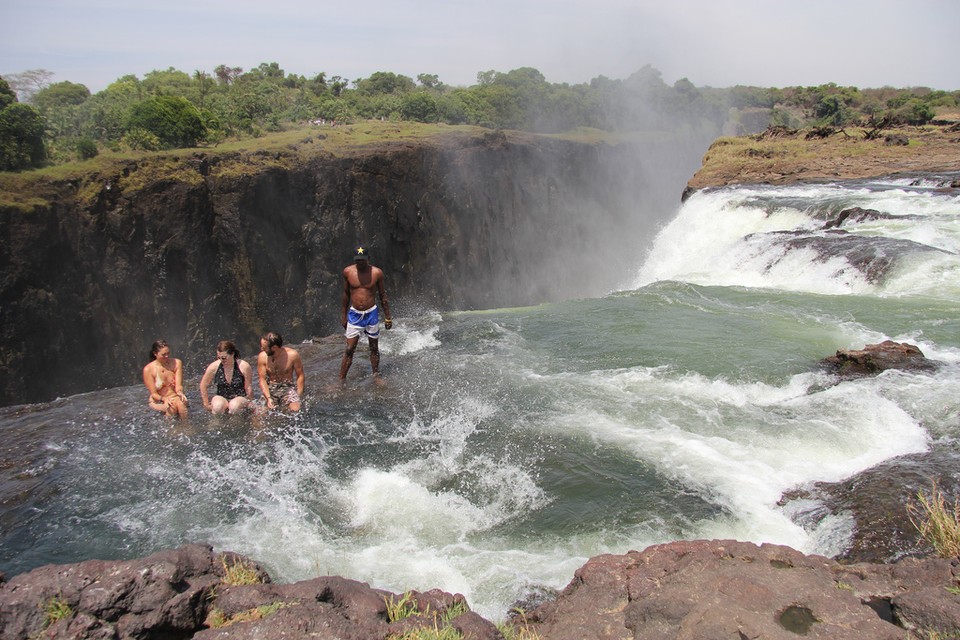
<point x="401" y="609"/>
<point x="56" y="609"/>
<point x="217" y="619"/>
<point x="239" y="573"/>
<point x="434" y="633"/>
<point x="510" y="630"/>
<point x="937" y="521"/>
<point x="406" y="607"/>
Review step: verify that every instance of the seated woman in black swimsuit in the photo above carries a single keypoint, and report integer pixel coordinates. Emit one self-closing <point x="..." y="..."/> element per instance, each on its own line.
<point x="234" y="380"/>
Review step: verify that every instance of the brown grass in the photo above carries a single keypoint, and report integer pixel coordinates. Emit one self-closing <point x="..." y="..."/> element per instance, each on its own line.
<point x="937" y="521"/>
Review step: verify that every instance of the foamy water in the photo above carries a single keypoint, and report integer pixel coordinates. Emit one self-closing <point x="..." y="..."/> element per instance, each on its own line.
<point x="511" y="445"/>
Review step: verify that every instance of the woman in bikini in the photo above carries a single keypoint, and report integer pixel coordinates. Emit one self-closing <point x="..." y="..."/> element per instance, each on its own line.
<point x="234" y="380"/>
<point x="163" y="378"/>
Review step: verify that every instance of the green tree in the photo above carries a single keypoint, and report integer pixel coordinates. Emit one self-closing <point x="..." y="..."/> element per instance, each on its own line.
<point x="21" y="137"/>
<point x="833" y="110"/>
<point x="141" y="140"/>
<point x="204" y="84"/>
<point x="419" y="106"/>
<point x="170" y="82"/>
<point x="384" y="82"/>
<point x="172" y="119"/>
<point x="7" y="95"/>
<point x="430" y="81"/>
<point x="104" y="114"/>
<point x="60" y="94"/>
<point x="266" y="71"/>
<point x="226" y="75"/>
<point x="337" y="85"/>
<point x="914" y="111"/>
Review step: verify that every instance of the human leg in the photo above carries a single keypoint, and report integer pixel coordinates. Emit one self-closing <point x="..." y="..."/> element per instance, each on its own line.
<point x="176" y="407"/>
<point x="374" y="356"/>
<point x="218" y="404"/>
<point x="348" y="356"/>
<point x="238" y="404"/>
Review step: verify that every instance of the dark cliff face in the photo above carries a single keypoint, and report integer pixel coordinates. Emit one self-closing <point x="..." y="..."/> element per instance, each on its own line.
<point x="195" y="250"/>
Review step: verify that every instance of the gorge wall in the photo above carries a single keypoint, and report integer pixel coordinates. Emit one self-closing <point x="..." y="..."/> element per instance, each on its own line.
<point x="212" y="245"/>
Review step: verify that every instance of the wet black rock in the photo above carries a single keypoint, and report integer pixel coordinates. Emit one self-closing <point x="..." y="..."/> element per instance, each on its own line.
<point x="876" y="358"/>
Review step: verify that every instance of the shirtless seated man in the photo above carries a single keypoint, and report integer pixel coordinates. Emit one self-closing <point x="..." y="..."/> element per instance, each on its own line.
<point x="276" y="366"/>
<point x="362" y="283"/>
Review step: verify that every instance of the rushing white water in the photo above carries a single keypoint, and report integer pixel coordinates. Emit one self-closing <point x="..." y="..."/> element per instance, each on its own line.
<point x="714" y="240"/>
<point x="510" y="445"/>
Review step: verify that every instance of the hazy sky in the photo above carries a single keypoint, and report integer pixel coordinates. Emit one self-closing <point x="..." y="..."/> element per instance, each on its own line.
<point x="719" y="43"/>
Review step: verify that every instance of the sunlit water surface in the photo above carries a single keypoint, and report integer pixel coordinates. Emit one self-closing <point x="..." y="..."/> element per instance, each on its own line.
<point x="510" y="445"/>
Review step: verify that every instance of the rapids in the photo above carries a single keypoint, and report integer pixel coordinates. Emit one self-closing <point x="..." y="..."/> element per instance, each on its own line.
<point x="509" y="445"/>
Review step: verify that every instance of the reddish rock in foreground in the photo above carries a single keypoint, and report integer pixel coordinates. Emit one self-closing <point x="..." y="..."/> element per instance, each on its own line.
<point x="729" y="589"/>
<point x="698" y="589"/>
<point x="182" y="593"/>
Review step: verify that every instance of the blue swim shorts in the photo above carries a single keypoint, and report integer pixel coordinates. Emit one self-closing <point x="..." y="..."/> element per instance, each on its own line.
<point x="367" y="322"/>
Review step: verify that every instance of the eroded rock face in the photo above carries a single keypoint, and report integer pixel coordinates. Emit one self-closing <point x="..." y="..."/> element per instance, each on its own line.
<point x="876" y="358"/>
<point x="229" y="245"/>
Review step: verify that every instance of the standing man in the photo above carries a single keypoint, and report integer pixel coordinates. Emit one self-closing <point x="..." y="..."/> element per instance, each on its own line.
<point x="362" y="283"/>
<point x="276" y="366"/>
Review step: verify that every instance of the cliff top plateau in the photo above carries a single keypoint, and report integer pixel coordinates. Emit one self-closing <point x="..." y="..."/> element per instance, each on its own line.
<point x="782" y="156"/>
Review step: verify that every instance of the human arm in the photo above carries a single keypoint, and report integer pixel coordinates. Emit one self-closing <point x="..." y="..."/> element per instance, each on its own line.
<point x="262" y="375"/>
<point x="178" y="378"/>
<point x="205" y="383"/>
<point x="247" y="372"/>
<point x="382" y="292"/>
<point x="345" y="300"/>
<point x="150" y="383"/>
<point x="298" y="369"/>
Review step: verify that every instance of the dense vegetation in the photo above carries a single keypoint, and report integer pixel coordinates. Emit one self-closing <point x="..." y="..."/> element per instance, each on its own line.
<point x="43" y="122"/>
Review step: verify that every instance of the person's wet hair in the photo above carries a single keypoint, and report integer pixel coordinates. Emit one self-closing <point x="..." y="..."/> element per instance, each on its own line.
<point x="225" y="346"/>
<point x="159" y="344"/>
<point x="273" y="339"/>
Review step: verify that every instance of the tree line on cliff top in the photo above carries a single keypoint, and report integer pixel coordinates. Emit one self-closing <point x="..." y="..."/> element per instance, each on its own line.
<point x="45" y="123"/>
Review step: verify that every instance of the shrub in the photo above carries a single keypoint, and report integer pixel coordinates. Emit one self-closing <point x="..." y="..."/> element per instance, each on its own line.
<point x="172" y="119"/>
<point x="87" y="148"/>
<point x="141" y="140"/>
<point x="21" y="138"/>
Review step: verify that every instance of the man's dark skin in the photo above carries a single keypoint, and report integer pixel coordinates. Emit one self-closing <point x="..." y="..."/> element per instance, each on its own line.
<point x="362" y="284"/>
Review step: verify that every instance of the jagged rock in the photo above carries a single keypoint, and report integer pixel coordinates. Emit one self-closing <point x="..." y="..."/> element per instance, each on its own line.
<point x="875" y="358"/>
<point x="729" y="589"/>
<point x="858" y="214"/>
<point x="694" y="589"/>
<point x="875" y="498"/>
<point x="870" y="255"/>
<point x="181" y="593"/>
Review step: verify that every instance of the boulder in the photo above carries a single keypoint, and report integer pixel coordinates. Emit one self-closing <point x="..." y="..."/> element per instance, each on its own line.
<point x="687" y="589"/>
<point x="876" y="358"/>
<point x="855" y="215"/>
<point x="185" y="593"/>
<point x="729" y="589"/>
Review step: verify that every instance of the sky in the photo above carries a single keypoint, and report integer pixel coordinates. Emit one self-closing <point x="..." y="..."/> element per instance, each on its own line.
<point x="716" y="43"/>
